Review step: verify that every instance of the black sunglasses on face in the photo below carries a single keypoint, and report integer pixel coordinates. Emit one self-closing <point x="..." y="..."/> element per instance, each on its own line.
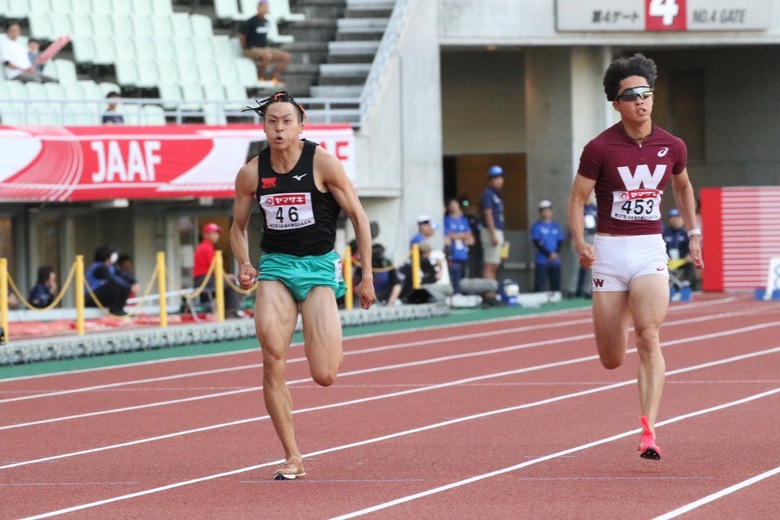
<point x="631" y="94"/>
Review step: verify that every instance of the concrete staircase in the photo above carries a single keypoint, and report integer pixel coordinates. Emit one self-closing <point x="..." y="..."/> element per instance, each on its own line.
<point x="335" y="46"/>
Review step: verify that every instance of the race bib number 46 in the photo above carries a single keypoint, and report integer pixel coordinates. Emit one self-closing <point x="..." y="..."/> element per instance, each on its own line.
<point x="287" y="211"/>
<point x="636" y="205"/>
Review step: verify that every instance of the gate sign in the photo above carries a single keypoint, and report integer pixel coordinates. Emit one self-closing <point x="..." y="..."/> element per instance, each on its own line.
<point x="663" y="15"/>
<point x="131" y="162"/>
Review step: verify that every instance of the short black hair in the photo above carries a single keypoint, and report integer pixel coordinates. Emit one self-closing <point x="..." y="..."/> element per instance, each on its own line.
<point x="11" y="23"/>
<point x="622" y="68"/>
<point x="44" y="272"/>
<point x="113" y="94"/>
<point x="280" y="97"/>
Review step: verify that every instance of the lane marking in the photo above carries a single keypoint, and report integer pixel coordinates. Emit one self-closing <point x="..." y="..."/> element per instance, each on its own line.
<point x="409" y="498"/>
<point x="410" y="364"/>
<point x="255" y="349"/>
<point x="719" y="494"/>
<point x="477" y="478"/>
<point x="362" y="400"/>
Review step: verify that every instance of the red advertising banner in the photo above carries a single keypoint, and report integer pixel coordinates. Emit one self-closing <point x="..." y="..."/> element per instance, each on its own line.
<point x="118" y="162"/>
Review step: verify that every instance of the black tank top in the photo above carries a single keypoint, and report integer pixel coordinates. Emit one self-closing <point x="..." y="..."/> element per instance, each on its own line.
<point x="298" y="218"/>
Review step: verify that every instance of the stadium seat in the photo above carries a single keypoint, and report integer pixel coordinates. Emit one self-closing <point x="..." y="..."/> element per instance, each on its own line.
<point x="84" y="49"/>
<point x="147" y="74"/>
<point x="180" y="24"/>
<point x="153" y="115"/>
<point x="235" y="97"/>
<point x="188" y="72"/>
<point x="280" y="10"/>
<point x="101" y="6"/>
<point x="55" y="91"/>
<point x="102" y="25"/>
<point x="153" y="48"/>
<point x="17" y="8"/>
<point x="78" y="25"/>
<point x="161" y="25"/>
<point x="201" y="26"/>
<point x="170" y="94"/>
<point x="41" y="26"/>
<point x="207" y="71"/>
<point x="222" y="49"/>
<point x="141" y="6"/>
<point x="91" y="90"/>
<point x="274" y="36"/>
<point x="81" y="114"/>
<point x="131" y="113"/>
<point x="126" y="72"/>
<point x="66" y="71"/>
<point x="35" y="91"/>
<point x="168" y="71"/>
<point x="143" y="27"/>
<point x="183" y="49"/>
<point x="121" y="7"/>
<point x="105" y="51"/>
<point x="39" y="6"/>
<point x="227" y="10"/>
<point x="107" y="87"/>
<point x="203" y="48"/>
<point x="81" y="7"/>
<point x="73" y="91"/>
<point x="192" y="95"/>
<point x="125" y="48"/>
<point x="162" y="7"/>
<point x="246" y="71"/>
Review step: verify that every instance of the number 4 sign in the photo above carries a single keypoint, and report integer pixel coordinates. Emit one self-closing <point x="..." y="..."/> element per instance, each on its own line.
<point x="665" y="15"/>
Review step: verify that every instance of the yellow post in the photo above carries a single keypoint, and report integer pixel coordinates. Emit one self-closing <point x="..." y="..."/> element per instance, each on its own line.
<point x="219" y="286"/>
<point x="348" y="278"/>
<point x="80" y="295"/>
<point x="4" y="299"/>
<point x="416" y="276"/>
<point x="161" y="289"/>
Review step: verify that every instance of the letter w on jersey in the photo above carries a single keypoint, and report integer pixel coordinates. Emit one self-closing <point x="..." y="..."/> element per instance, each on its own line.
<point x="642" y="178"/>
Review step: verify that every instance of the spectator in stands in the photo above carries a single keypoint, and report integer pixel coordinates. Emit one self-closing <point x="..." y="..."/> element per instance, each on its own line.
<point x="110" y="289"/>
<point x="253" y="35"/>
<point x="112" y="116"/>
<point x="204" y="256"/>
<point x="45" y="288"/>
<point x="16" y="59"/>
<point x="13" y="302"/>
<point x="33" y="51"/>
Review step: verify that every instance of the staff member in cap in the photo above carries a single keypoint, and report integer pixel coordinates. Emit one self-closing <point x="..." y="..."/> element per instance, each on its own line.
<point x="425" y="230"/>
<point x="547" y="237"/>
<point x="678" y="248"/>
<point x="204" y="255"/>
<point x="491" y="234"/>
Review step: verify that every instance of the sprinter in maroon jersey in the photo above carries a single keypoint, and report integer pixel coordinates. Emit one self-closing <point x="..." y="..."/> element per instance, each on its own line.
<point x="629" y="165"/>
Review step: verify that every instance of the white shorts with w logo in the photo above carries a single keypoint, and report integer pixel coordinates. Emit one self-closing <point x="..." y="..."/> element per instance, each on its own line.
<point x="620" y="259"/>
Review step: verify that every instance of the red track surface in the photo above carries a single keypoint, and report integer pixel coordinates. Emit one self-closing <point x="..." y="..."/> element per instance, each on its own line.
<point x="512" y="418"/>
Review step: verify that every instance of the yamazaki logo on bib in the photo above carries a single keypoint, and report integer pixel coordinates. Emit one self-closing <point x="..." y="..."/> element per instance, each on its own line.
<point x="636" y="205"/>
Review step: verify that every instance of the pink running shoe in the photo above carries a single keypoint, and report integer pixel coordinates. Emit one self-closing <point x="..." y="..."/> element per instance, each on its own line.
<point x="647" y="446"/>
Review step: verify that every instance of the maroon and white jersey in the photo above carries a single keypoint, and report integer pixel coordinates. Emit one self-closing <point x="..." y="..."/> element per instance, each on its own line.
<point x="630" y="178"/>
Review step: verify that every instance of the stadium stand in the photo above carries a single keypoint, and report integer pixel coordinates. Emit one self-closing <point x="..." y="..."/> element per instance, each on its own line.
<point x="185" y="61"/>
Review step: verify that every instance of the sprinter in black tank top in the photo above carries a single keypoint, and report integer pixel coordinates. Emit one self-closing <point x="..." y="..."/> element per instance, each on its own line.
<point x="300" y="188"/>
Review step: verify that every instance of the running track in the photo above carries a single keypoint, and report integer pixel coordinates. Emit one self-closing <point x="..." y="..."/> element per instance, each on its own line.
<point x="506" y="418"/>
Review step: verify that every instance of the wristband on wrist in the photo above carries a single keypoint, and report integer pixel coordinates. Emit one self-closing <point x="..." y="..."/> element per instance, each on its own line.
<point x="694" y="231"/>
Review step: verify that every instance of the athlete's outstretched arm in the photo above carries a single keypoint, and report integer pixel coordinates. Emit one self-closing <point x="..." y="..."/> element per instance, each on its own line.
<point x="580" y="192"/>
<point x="329" y="170"/>
<point x="246" y="184"/>
<point x="686" y="203"/>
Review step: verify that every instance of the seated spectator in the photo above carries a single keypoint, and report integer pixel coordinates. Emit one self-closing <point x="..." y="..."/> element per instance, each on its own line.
<point x="16" y="60"/>
<point x="110" y="289"/>
<point x="112" y="116"/>
<point x="45" y="288"/>
<point x="387" y="285"/>
<point x="430" y="272"/>
<point x="33" y="52"/>
<point x="124" y="269"/>
<point x="253" y="35"/>
<point x="426" y="228"/>
<point x="677" y="244"/>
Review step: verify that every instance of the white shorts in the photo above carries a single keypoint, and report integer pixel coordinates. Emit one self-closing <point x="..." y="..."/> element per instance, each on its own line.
<point x="621" y="259"/>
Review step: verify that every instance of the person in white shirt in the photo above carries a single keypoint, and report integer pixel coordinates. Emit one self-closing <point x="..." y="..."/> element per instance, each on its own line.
<point x="16" y="60"/>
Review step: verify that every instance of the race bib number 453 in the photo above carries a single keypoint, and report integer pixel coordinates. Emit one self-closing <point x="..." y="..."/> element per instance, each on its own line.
<point x="636" y="205"/>
<point x="287" y="211"/>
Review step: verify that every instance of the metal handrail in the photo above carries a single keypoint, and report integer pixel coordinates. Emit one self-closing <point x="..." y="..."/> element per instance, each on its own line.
<point x="318" y="110"/>
<point x="386" y="47"/>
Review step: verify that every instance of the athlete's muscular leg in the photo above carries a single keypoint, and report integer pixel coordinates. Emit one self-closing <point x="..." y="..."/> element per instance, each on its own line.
<point x="648" y="301"/>
<point x="322" y="335"/>
<point x="611" y="320"/>
<point x="276" y="313"/>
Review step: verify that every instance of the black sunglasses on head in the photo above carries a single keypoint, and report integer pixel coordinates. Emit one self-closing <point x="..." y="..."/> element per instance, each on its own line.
<point x="631" y="94"/>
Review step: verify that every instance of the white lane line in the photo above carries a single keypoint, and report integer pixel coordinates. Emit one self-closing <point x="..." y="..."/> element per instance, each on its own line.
<point x="719" y="494"/>
<point x="385" y="368"/>
<point x="374" y="334"/>
<point x="370" y="350"/>
<point x="477" y="478"/>
<point x="374" y="440"/>
<point x="398" y="394"/>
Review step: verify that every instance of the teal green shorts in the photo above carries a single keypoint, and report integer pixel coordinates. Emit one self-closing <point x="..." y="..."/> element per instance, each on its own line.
<point x="300" y="273"/>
